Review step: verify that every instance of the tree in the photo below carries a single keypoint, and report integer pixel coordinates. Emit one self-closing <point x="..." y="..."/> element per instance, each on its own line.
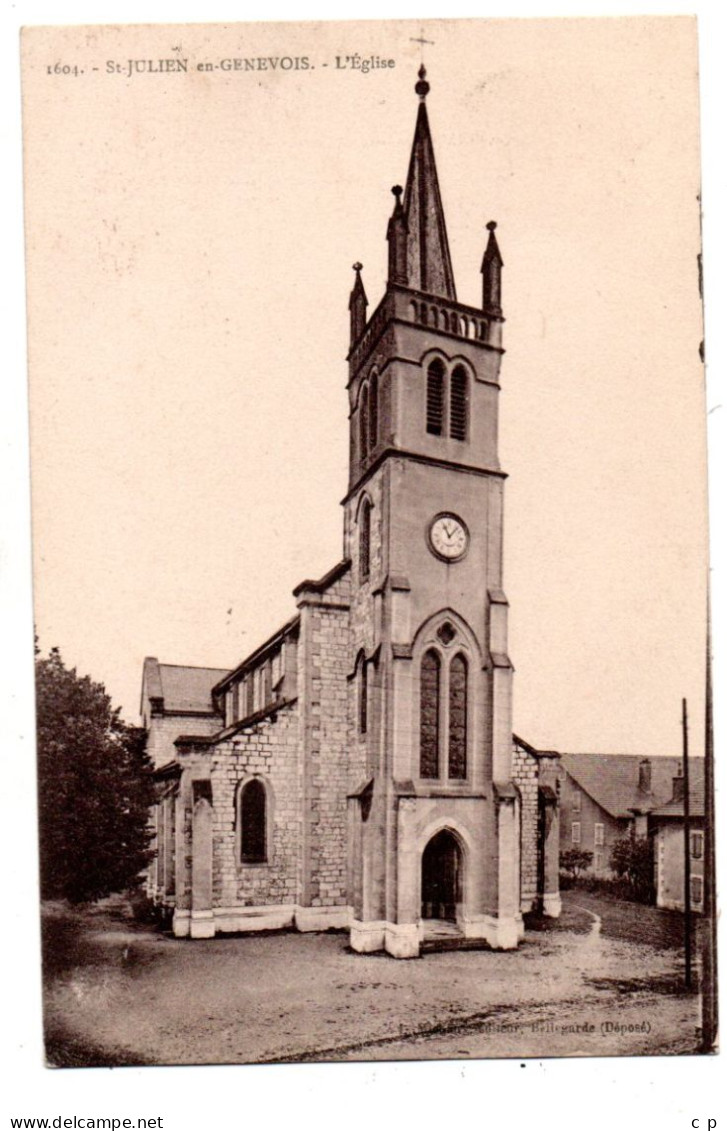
<point x="632" y="860"/>
<point x="94" y="788"/>
<point x="574" y="861"/>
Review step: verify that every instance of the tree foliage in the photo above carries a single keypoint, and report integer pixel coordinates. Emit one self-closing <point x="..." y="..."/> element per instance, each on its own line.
<point x="94" y="787"/>
<point x="633" y="861"/>
<point x="573" y="861"/>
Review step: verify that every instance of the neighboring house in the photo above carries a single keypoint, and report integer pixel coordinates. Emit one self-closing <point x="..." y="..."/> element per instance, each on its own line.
<point x="666" y="825"/>
<point x="605" y="796"/>
<point x="362" y="771"/>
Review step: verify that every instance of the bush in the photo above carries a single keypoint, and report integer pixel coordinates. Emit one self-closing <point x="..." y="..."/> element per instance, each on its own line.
<point x="632" y="860"/>
<point x="574" y="861"/>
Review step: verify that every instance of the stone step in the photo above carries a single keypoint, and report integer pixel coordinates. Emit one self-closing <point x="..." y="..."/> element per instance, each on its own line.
<point x="451" y="942"/>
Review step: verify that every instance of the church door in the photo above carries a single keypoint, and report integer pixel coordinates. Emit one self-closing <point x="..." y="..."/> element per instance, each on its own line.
<point x="441" y="877"/>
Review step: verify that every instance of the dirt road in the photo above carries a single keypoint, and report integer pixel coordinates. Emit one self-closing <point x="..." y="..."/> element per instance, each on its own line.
<point x="117" y="994"/>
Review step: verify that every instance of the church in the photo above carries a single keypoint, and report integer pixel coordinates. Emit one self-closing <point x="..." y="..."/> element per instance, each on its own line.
<point x="358" y="770"/>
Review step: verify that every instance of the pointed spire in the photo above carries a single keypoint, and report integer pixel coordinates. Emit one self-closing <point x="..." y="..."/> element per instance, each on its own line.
<point x="428" y="263"/>
<point x="492" y="274"/>
<point x="357" y="304"/>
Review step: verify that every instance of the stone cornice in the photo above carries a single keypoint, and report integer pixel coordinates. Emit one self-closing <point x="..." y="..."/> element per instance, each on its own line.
<point x="417" y="457"/>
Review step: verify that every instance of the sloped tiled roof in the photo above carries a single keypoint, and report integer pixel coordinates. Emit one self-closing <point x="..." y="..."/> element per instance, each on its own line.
<point x="696" y="794"/>
<point x="612" y="780"/>
<point x="180" y="687"/>
<point x="188" y="689"/>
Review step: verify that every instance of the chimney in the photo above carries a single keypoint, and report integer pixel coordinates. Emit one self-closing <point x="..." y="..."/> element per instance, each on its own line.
<point x="678" y="788"/>
<point x="644" y="776"/>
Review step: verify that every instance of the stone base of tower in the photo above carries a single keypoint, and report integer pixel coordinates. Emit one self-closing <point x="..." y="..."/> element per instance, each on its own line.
<point x="367" y="938"/>
<point x="402" y="940"/>
<point x="504" y="933"/>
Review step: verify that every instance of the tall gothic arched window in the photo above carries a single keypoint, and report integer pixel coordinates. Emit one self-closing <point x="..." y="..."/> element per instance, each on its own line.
<point x="363" y="423"/>
<point x="253" y="823"/>
<point x="364" y="541"/>
<point x="429" y="710"/>
<point x="374" y="411"/>
<point x="435" y="397"/>
<point x="458" y="396"/>
<point x="443" y="715"/>
<point x="457" y="757"/>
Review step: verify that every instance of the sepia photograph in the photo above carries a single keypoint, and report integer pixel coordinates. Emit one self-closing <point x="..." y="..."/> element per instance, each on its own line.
<point x="370" y="541"/>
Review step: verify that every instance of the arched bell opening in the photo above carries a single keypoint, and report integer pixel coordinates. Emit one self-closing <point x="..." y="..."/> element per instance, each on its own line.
<point x="442" y="877"/>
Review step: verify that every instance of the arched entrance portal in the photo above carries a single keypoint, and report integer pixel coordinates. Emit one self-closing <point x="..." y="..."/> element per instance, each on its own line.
<point x="441" y="877"/>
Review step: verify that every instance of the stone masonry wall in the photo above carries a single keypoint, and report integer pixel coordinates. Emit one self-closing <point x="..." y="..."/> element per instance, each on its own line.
<point x="525" y="775"/>
<point x="268" y="748"/>
<point x="328" y="746"/>
<point x="364" y="748"/>
<point x="164" y="729"/>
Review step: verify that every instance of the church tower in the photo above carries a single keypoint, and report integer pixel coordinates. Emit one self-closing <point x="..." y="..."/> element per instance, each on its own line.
<point x="434" y="822"/>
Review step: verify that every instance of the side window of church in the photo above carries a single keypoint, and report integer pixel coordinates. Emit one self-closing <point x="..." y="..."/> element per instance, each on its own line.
<point x="253" y="832"/>
<point x="458" y="396"/>
<point x="364" y="544"/>
<point x="267" y="683"/>
<point x="363" y="698"/>
<point x="363" y="423"/>
<point x="429" y="716"/>
<point x="374" y="411"/>
<point x="435" y="398"/>
<point x="457" y="764"/>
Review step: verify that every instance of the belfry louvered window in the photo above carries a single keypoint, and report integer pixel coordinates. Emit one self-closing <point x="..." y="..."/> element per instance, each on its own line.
<point x="429" y="715"/>
<point x="457" y="762"/>
<point x="435" y="398"/>
<point x="458" y="395"/>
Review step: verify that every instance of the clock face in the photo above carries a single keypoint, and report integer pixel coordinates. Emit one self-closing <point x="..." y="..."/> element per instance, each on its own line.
<point x="448" y="537"/>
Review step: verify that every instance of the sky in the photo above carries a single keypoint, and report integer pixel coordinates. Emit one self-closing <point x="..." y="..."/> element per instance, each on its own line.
<point x="189" y="246"/>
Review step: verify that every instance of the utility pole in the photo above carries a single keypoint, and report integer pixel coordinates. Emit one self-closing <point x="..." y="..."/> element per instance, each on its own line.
<point x="687" y="858"/>
<point x="709" y="936"/>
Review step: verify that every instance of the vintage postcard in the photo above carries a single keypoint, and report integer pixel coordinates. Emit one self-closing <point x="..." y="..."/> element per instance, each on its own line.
<point x="370" y="540"/>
